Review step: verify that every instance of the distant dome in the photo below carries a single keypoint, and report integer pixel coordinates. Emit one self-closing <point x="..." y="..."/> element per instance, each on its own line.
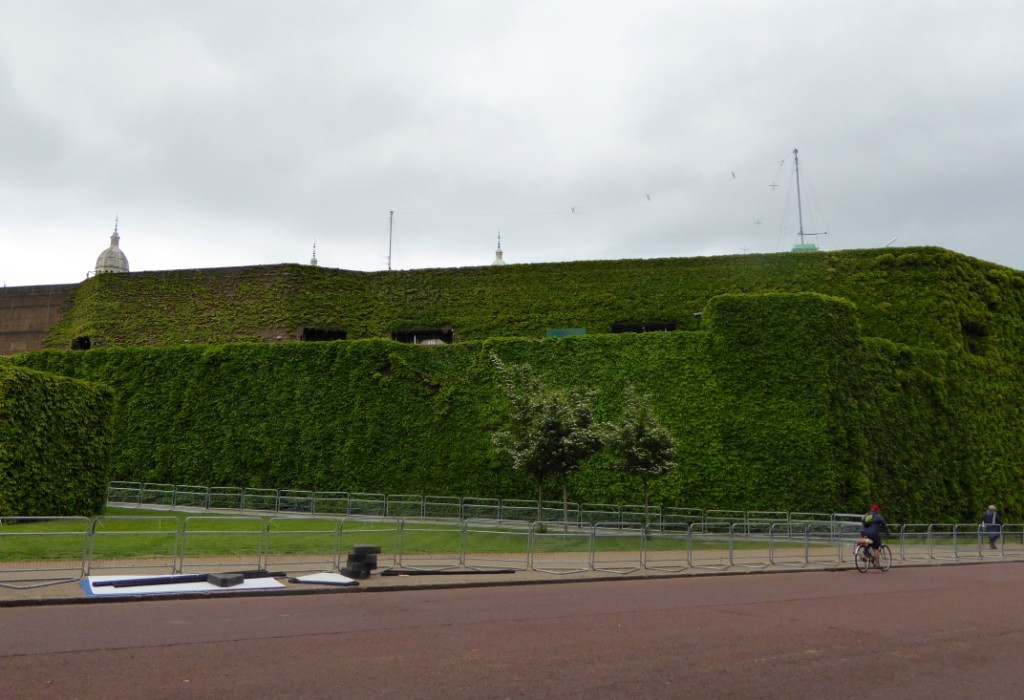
<point x="112" y="259"/>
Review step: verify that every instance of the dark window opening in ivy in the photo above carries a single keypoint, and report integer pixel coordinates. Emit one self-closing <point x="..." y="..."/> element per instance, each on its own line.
<point x="643" y="327"/>
<point x="322" y="334"/>
<point x="81" y="343"/>
<point x="438" y="336"/>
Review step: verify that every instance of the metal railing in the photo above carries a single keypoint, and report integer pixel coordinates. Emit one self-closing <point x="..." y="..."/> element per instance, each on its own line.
<point x="43" y="551"/>
<point x="340" y="503"/>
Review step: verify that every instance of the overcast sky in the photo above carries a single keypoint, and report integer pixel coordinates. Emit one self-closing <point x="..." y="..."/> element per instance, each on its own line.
<point x="240" y="133"/>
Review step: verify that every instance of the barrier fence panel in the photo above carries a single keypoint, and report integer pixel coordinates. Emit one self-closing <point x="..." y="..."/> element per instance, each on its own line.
<point x="710" y="545"/>
<point x="213" y="543"/>
<point x="846" y="534"/>
<point x="36" y="552"/>
<point x="429" y="545"/>
<point x="749" y="550"/>
<point x="125" y="543"/>
<point x="942" y="542"/>
<point x="442" y="507"/>
<point x="383" y="532"/>
<point x="606" y="514"/>
<point x="226" y="498"/>
<point x="786" y="547"/>
<point x="290" y="501"/>
<point x="632" y="516"/>
<point x="913" y="543"/>
<point x="725" y="517"/>
<point x="763" y="522"/>
<point x="512" y="509"/>
<point x="295" y="543"/>
<point x="844" y="523"/>
<point x="988" y="548"/>
<point x="330" y="503"/>
<point x="157" y="495"/>
<point x="191" y="497"/>
<point x="823" y="547"/>
<point x="616" y="549"/>
<point x="124" y="493"/>
<point x="667" y="549"/>
<point x="798" y="521"/>
<point x="557" y="549"/>
<point x="567" y="514"/>
<point x="680" y="519"/>
<point x="481" y="509"/>
<point x="373" y="504"/>
<point x="491" y="545"/>
<point x="264" y="500"/>
<point x="404" y="506"/>
<point x="1012" y="542"/>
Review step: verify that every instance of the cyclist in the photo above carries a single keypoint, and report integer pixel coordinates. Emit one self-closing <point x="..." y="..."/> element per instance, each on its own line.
<point x="872" y="527"/>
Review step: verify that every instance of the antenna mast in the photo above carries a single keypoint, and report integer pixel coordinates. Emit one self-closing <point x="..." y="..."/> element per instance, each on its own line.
<point x="800" y="209"/>
<point x="391" y="221"/>
<point x="799" y="206"/>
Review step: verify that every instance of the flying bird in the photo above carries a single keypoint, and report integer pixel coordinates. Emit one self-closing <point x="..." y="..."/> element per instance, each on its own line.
<point x="733" y="174"/>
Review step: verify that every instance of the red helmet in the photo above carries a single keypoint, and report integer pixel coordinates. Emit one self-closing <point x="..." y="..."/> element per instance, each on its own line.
<point x="875" y="508"/>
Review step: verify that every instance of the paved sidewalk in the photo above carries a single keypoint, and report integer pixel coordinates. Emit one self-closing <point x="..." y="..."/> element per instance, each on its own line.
<point x="73" y="592"/>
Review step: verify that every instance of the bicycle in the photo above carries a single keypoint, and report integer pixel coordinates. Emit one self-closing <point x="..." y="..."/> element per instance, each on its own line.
<point x="864" y="556"/>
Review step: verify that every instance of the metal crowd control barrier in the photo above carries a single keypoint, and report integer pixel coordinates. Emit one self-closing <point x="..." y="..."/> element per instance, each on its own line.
<point x="617" y="549"/>
<point x="192" y="497"/>
<point x="667" y="549"/>
<point x="404" y="506"/>
<point x="296" y="543"/>
<point x="383" y="532"/>
<point x="488" y="545"/>
<point x="129" y="543"/>
<point x="67" y="540"/>
<point x="429" y="545"/>
<point x="157" y="495"/>
<point x="203" y="537"/>
<point x="559" y="548"/>
<point x="481" y="509"/>
<point x="226" y="498"/>
<point x="368" y="504"/>
<point x="290" y="501"/>
<point x="330" y="503"/>
<point x="449" y="507"/>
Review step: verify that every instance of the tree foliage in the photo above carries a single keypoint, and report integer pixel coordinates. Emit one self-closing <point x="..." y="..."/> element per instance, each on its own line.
<point x="553" y="431"/>
<point x="642" y="446"/>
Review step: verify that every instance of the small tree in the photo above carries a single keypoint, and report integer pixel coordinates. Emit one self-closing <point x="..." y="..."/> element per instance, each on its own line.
<point x="553" y="432"/>
<point x="643" y="446"/>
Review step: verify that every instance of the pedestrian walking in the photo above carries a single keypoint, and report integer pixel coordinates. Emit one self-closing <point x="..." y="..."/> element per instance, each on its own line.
<point x="993" y="525"/>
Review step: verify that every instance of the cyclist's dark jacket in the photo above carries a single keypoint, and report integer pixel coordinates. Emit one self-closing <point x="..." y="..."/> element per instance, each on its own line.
<point x="873" y="525"/>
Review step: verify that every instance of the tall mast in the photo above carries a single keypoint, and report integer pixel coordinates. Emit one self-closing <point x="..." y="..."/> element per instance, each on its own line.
<point x="799" y="205"/>
<point x="391" y="221"/>
<point x="802" y="246"/>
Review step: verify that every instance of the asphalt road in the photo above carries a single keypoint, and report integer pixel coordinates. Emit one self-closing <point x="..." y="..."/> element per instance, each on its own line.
<point x="920" y="632"/>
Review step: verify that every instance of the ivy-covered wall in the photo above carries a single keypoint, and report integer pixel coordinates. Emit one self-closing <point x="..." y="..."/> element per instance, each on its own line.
<point x="779" y="401"/>
<point x="924" y="297"/>
<point x="55" y="444"/>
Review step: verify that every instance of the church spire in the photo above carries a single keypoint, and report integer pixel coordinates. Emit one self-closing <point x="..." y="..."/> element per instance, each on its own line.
<point x="498" y="260"/>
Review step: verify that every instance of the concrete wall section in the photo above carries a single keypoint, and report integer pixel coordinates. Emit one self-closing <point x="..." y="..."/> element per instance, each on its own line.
<point x="28" y="313"/>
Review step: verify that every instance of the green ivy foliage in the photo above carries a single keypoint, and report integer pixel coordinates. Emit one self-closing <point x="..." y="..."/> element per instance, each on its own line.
<point x="923" y="297"/>
<point x="778" y="401"/>
<point x="55" y="444"/>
